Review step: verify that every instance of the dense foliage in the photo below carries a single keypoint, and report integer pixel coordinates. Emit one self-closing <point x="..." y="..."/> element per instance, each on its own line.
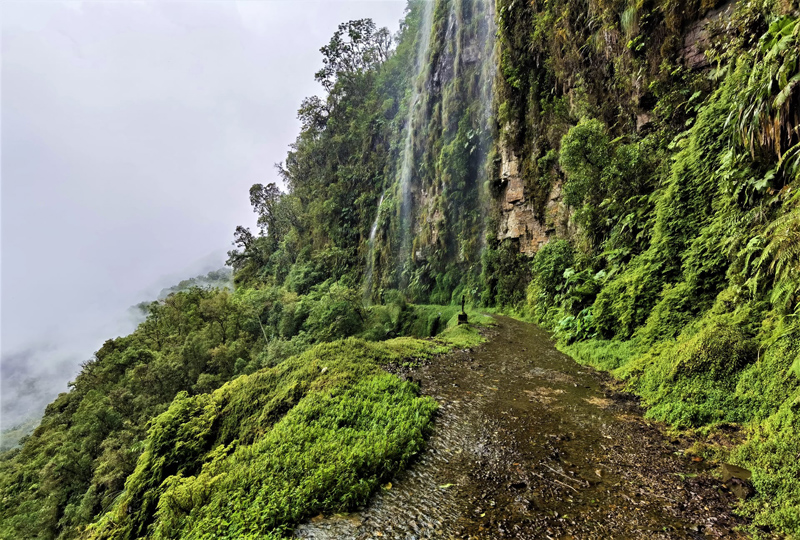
<point x="678" y="269"/>
<point x="76" y="462"/>
<point x="317" y="433"/>
<point x="674" y="262"/>
<point x="156" y="419"/>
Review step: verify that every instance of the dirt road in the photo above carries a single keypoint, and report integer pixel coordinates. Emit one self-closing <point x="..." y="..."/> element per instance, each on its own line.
<point x="527" y="445"/>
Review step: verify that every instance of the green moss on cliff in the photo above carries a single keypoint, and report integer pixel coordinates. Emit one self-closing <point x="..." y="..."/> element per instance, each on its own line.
<point x="680" y="178"/>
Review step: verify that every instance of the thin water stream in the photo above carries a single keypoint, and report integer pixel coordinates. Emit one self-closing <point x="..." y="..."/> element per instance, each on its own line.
<point x="528" y="444"/>
<point x="486" y="81"/>
<point x="407" y="164"/>
<point x="371" y="251"/>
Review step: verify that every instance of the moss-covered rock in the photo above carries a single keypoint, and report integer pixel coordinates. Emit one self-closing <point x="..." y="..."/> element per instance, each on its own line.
<point x="717" y="352"/>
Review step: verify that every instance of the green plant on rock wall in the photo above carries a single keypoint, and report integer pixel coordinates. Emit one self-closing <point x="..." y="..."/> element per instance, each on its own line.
<point x="607" y="182"/>
<point x="782" y="253"/>
<point x="560" y="296"/>
<point x="585" y="154"/>
<point x="505" y="275"/>
<point x="769" y="107"/>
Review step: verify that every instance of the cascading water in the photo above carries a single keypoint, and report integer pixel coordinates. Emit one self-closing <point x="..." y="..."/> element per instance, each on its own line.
<point x="486" y="81"/>
<point x="407" y="166"/>
<point x="423" y="43"/>
<point x="469" y="54"/>
<point x="371" y="252"/>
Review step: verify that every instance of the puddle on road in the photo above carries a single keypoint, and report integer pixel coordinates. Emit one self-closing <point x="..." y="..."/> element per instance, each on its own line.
<point x="526" y="445"/>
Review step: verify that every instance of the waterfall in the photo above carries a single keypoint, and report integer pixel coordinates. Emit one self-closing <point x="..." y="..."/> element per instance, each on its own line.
<point x="486" y="81"/>
<point x="407" y="167"/>
<point x="371" y="251"/>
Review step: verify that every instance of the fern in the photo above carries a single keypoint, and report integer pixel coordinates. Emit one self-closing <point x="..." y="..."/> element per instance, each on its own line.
<point x="769" y="106"/>
<point x="782" y="253"/>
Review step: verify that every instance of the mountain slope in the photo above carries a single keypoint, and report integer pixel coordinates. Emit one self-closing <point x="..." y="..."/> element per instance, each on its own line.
<point x="624" y="174"/>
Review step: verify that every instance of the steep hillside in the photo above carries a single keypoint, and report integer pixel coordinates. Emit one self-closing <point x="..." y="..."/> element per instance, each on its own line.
<point x="624" y="174"/>
<point x="664" y="183"/>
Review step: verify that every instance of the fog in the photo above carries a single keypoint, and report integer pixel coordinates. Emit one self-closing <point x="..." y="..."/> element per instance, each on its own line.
<point x="131" y="133"/>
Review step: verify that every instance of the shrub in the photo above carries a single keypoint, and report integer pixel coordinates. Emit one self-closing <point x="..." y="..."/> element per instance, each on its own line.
<point x="625" y="301"/>
<point x="549" y="265"/>
<point x="717" y="352"/>
<point x="338" y="313"/>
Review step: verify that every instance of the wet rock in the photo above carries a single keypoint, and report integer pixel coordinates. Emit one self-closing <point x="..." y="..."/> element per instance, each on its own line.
<point x="737" y="480"/>
<point x="702" y="33"/>
<point x="741" y="488"/>
<point x="643" y="120"/>
<point x="732" y="471"/>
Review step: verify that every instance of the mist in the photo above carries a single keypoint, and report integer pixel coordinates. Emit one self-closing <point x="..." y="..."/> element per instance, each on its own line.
<point x="131" y="133"/>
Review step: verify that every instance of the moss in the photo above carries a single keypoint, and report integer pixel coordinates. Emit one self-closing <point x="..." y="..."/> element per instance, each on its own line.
<point x="626" y="300"/>
<point x="718" y="351"/>
<point x="606" y="355"/>
<point x="264" y="450"/>
<point x="771" y="453"/>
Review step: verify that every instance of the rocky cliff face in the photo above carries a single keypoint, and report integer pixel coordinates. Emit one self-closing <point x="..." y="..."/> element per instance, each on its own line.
<point x="486" y="171"/>
<point x="520" y="219"/>
<point x="702" y="33"/>
<point x="610" y="65"/>
<point x="453" y="135"/>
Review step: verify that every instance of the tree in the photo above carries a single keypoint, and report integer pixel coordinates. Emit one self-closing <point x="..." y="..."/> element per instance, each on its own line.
<point x="355" y="48"/>
<point x="264" y="200"/>
<point x="242" y="239"/>
<point x="313" y="114"/>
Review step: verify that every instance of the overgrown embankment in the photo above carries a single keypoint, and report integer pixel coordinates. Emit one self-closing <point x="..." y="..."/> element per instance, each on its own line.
<point x="153" y="442"/>
<point x="674" y="233"/>
<point x="318" y="433"/>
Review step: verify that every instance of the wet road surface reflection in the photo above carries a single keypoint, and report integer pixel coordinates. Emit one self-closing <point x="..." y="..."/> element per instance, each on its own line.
<point x="527" y="444"/>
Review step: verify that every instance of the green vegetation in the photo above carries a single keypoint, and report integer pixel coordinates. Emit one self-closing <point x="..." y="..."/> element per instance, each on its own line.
<point x="667" y="187"/>
<point x="678" y="269"/>
<point x="186" y="413"/>
<point x="76" y="462"/>
<point x="216" y="279"/>
<point x="317" y="433"/>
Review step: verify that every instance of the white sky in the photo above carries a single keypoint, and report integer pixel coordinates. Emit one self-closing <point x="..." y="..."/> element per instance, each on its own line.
<point x="131" y="133"/>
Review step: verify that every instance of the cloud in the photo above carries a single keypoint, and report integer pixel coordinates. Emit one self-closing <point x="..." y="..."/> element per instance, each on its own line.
<point x="131" y="132"/>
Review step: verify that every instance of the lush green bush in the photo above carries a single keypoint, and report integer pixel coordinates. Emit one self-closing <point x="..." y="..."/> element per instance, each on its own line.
<point x="505" y="275"/>
<point x="317" y="433"/>
<point x="339" y="312"/>
<point x="691" y="282"/>
<point x="76" y="462"/>
<point x="717" y="352"/>
<point x="626" y="300"/>
<point x="585" y="156"/>
<point x="549" y="266"/>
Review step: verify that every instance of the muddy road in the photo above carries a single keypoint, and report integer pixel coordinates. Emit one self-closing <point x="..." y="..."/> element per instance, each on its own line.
<point x="528" y="444"/>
